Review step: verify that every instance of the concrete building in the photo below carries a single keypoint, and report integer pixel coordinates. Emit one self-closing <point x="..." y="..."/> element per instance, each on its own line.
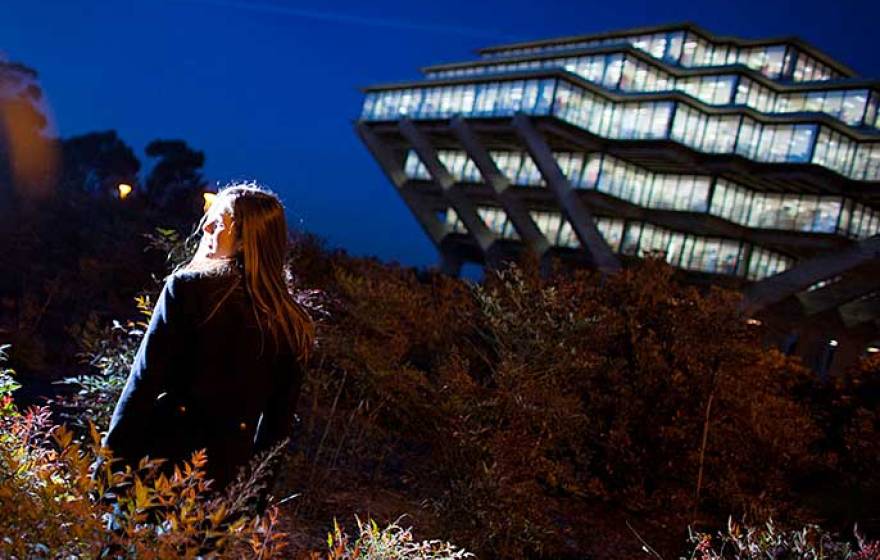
<point x="750" y="163"/>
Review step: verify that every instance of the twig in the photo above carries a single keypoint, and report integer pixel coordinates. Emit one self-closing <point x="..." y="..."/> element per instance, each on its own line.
<point x="332" y="463"/>
<point x="705" y="439"/>
<point x="331" y="418"/>
<point x="702" y="457"/>
<point x="645" y="546"/>
<point x="287" y="499"/>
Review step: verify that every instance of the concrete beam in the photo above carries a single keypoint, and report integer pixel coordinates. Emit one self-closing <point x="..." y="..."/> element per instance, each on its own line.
<point x="776" y="288"/>
<point x="450" y="263"/>
<point x="860" y="311"/>
<point x="516" y="211"/>
<point x="848" y="288"/>
<point x="459" y="201"/>
<point x="393" y="168"/>
<point x="573" y="209"/>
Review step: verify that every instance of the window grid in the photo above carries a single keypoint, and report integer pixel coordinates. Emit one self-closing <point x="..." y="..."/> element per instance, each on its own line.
<point x="713" y="255"/>
<point x="686" y="193"/>
<point x="453" y="222"/>
<point x="800" y="143"/>
<point x="497" y="221"/>
<point x="691" y="50"/>
<point x="847" y="105"/>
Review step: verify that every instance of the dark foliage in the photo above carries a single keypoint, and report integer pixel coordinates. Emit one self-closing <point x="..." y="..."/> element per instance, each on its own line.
<point x="540" y="416"/>
<point x="97" y="163"/>
<point x="533" y="416"/>
<point x="175" y="176"/>
<point x="75" y="259"/>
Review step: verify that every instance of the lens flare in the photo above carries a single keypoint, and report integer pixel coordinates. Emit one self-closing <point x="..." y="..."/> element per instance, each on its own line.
<point x="32" y="154"/>
<point x="209" y="199"/>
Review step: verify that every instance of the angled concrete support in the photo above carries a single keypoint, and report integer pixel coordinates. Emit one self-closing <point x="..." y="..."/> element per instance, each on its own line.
<point x="848" y="288"/>
<point x="860" y="311"/>
<point x="514" y="208"/>
<point x="572" y="208"/>
<point x="776" y="288"/>
<point x="462" y="205"/>
<point x="393" y="168"/>
<point x="450" y="263"/>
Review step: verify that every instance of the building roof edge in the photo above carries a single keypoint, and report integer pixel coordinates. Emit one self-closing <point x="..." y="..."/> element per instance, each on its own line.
<point x="684" y="26"/>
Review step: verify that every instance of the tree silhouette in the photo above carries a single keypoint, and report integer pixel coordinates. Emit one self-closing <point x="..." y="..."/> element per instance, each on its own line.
<point x="176" y="175"/>
<point x="97" y="162"/>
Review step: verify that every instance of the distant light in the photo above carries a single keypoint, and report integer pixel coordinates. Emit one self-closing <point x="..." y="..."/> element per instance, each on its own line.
<point x="209" y="199"/>
<point x="753" y="322"/>
<point x="832" y="343"/>
<point x="872" y="349"/>
<point x="124" y="190"/>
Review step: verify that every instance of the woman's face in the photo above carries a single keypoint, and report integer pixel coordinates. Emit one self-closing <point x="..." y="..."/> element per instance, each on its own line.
<point x="218" y="232"/>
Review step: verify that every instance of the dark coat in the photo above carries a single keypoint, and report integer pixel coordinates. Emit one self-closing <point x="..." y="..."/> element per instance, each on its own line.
<point x="205" y="378"/>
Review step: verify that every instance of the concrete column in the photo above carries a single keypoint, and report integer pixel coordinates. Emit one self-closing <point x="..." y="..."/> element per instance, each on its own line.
<point x="450" y="263"/>
<point x="393" y="168"/>
<point x="837" y="293"/>
<point x="513" y="206"/>
<point x="459" y="201"/>
<point x="803" y="275"/>
<point x="860" y="311"/>
<point x="573" y="209"/>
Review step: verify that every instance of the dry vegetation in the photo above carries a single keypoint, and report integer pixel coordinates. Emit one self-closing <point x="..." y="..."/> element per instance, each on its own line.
<point x="559" y="416"/>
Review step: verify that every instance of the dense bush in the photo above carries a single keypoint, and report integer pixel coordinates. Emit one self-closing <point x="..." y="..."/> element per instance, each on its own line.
<point x="760" y="543"/>
<point x="392" y="542"/>
<point x="61" y="497"/>
<point x="535" y="416"/>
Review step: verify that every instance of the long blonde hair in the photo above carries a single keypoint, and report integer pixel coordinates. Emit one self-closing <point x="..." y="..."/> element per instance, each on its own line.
<point x="261" y="232"/>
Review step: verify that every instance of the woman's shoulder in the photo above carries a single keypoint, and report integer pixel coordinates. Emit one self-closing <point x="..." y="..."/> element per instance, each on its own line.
<point x="201" y="277"/>
<point x="200" y="283"/>
<point x="199" y="294"/>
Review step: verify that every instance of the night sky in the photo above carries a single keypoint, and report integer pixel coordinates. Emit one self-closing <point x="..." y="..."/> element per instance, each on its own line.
<point x="269" y="89"/>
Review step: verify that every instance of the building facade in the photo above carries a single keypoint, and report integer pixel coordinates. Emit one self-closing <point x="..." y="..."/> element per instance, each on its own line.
<point x="750" y="163"/>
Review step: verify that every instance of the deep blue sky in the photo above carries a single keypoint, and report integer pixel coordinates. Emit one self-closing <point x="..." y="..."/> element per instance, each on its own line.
<point x="269" y="88"/>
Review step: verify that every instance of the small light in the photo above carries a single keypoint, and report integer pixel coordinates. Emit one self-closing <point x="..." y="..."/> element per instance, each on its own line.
<point x="209" y="199"/>
<point x="832" y="343"/>
<point x="754" y="322"/>
<point x="124" y="190"/>
<point x="872" y="349"/>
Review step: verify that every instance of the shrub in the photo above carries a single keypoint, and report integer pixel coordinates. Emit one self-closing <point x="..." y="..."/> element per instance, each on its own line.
<point x="531" y="416"/>
<point x="391" y="542"/>
<point x="109" y="352"/>
<point x="532" y="413"/>
<point x="59" y="497"/>
<point x="578" y="391"/>
<point x="760" y="543"/>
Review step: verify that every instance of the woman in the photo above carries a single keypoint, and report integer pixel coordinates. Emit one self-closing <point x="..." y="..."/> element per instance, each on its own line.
<point x="220" y="366"/>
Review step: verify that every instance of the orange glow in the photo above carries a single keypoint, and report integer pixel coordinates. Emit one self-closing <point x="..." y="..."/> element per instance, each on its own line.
<point x="124" y="190"/>
<point x="209" y="199"/>
<point x="33" y="155"/>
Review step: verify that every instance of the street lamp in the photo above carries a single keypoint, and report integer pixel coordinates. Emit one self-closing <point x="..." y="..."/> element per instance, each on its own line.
<point x="124" y="190"/>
